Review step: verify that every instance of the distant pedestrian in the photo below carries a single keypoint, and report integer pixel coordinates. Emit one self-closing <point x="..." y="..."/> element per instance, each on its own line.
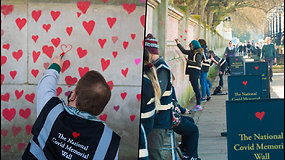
<point x="221" y="63"/>
<point x="244" y="49"/>
<point x="240" y="49"/>
<point x="248" y="47"/>
<point x="229" y="52"/>
<point x="268" y="54"/>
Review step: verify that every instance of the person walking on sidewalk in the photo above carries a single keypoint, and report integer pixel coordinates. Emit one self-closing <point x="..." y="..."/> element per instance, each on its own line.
<point x="193" y="68"/>
<point x="268" y="54"/>
<point x="204" y="72"/>
<point x="221" y="63"/>
<point x="229" y="52"/>
<point x="163" y="117"/>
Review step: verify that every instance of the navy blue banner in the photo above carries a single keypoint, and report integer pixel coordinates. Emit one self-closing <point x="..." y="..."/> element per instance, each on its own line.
<point x="237" y="65"/>
<point x="255" y="129"/>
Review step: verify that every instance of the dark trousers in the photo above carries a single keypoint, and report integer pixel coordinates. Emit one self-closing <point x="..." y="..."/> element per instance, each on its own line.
<point x="270" y="64"/>
<point x="222" y="69"/>
<point x="194" y="77"/>
<point x="155" y="143"/>
<point x="190" y="135"/>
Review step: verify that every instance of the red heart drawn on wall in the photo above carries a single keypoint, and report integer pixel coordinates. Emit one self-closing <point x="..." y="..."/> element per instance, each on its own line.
<point x="114" y="39"/>
<point x="19" y="94"/>
<point x="116" y="108"/>
<point x="78" y="14"/>
<point x="75" y="134"/>
<point x="28" y="129"/>
<point x="3" y="60"/>
<point x="139" y="97"/>
<point x="132" y="117"/>
<point x="6" y="148"/>
<point x="65" y="66"/>
<point x="30" y="97"/>
<point x="21" y="22"/>
<point x="123" y="95"/>
<point x="105" y="1"/>
<point x="25" y="113"/>
<point x="70" y="80"/>
<point x="36" y="14"/>
<point x="4" y="132"/>
<point x="46" y="27"/>
<point x="9" y="114"/>
<point x="46" y="65"/>
<point x="102" y="42"/>
<point x="125" y="72"/>
<point x="111" y="84"/>
<point x="103" y="117"/>
<point x="142" y="19"/>
<point x="55" y="41"/>
<point x="81" y="52"/>
<point x="6" y="9"/>
<point x="69" y="30"/>
<point x="58" y="91"/>
<point x="260" y="115"/>
<point x="65" y="48"/>
<point x="125" y="44"/>
<point x="137" y="61"/>
<point x="16" y="130"/>
<point x="256" y="67"/>
<point x="129" y="7"/>
<point x="6" y="46"/>
<point x="111" y="21"/>
<point x="5" y="97"/>
<point x="181" y="36"/>
<point x="105" y="64"/>
<point x="185" y="31"/>
<point x="21" y="146"/>
<point x="83" y="6"/>
<point x="2" y="78"/>
<point x="115" y="53"/>
<point x="244" y="83"/>
<point x="83" y="71"/>
<point x="184" y="39"/>
<point x="35" y="72"/>
<point x="89" y="26"/>
<point x="35" y="38"/>
<point x="36" y="55"/>
<point x="17" y="54"/>
<point x="55" y="14"/>
<point x="13" y="74"/>
<point x="48" y="50"/>
<point x="2" y="32"/>
<point x="133" y="36"/>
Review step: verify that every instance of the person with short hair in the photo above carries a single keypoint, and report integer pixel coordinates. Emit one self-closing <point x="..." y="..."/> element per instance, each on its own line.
<point x="221" y="63"/>
<point x="229" y="52"/>
<point x="268" y="54"/>
<point x="72" y="131"/>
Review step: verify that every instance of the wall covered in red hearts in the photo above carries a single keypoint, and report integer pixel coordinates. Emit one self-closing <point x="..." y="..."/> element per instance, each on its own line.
<point x="104" y="35"/>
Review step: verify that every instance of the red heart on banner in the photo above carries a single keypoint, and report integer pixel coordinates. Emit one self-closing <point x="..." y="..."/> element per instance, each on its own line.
<point x="21" y="146"/>
<point x="105" y="64"/>
<point x="123" y="95"/>
<point x="25" y="113"/>
<point x="55" y="14"/>
<point x="89" y="26"/>
<point x="125" y="44"/>
<point x="132" y="117"/>
<point x="70" y="80"/>
<point x="111" y="84"/>
<point x="103" y="117"/>
<point x="133" y="36"/>
<point x="75" y="134"/>
<point x="58" y="91"/>
<point x="244" y="83"/>
<point x="6" y="46"/>
<point x="16" y="130"/>
<point x="256" y="67"/>
<point x="6" y="9"/>
<point x="17" y="54"/>
<point x="142" y="19"/>
<point x="65" y="66"/>
<point x="19" y="94"/>
<point x="55" y="41"/>
<point x="81" y="52"/>
<point x="116" y="108"/>
<point x="13" y="74"/>
<point x="83" y="71"/>
<point x="6" y="148"/>
<point x="30" y="97"/>
<point x="129" y="7"/>
<point x="111" y="21"/>
<point x="46" y="27"/>
<point x="139" y="97"/>
<point x="4" y="132"/>
<point x="69" y="30"/>
<point x="36" y="55"/>
<point x="48" y="50"/>
<point x="2" y="78"/>
<point x="115" y="53"/>
<point x="9" y="114"/>
<point x="125" y="72"/>
<point x="21" y="22"/>
<point x="102" y="42"/>
<point x="236" y="59"/>
<point x="260" y="115"/>
<point x="3" y="60"/>
<point x="28" y="129"/>
<point x="115" y="39"/>
<point x="36" y="14"/>
<point x="35" y="72"/>
<point x="35" y="38"/>
<point x="5" y="97"/>
<point x="83" y="6"/>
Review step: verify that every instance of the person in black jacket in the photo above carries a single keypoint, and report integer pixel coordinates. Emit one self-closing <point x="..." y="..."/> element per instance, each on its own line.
<point x="193" y="68"/>
<point x="221" y="63"/>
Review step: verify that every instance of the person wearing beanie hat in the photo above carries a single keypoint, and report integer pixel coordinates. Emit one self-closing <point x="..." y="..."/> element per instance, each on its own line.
<point x="193" y="68"/>
<point x="163" y="115"/>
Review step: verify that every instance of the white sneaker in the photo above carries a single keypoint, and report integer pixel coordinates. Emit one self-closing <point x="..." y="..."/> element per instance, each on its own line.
<point x="198" y="108"/>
